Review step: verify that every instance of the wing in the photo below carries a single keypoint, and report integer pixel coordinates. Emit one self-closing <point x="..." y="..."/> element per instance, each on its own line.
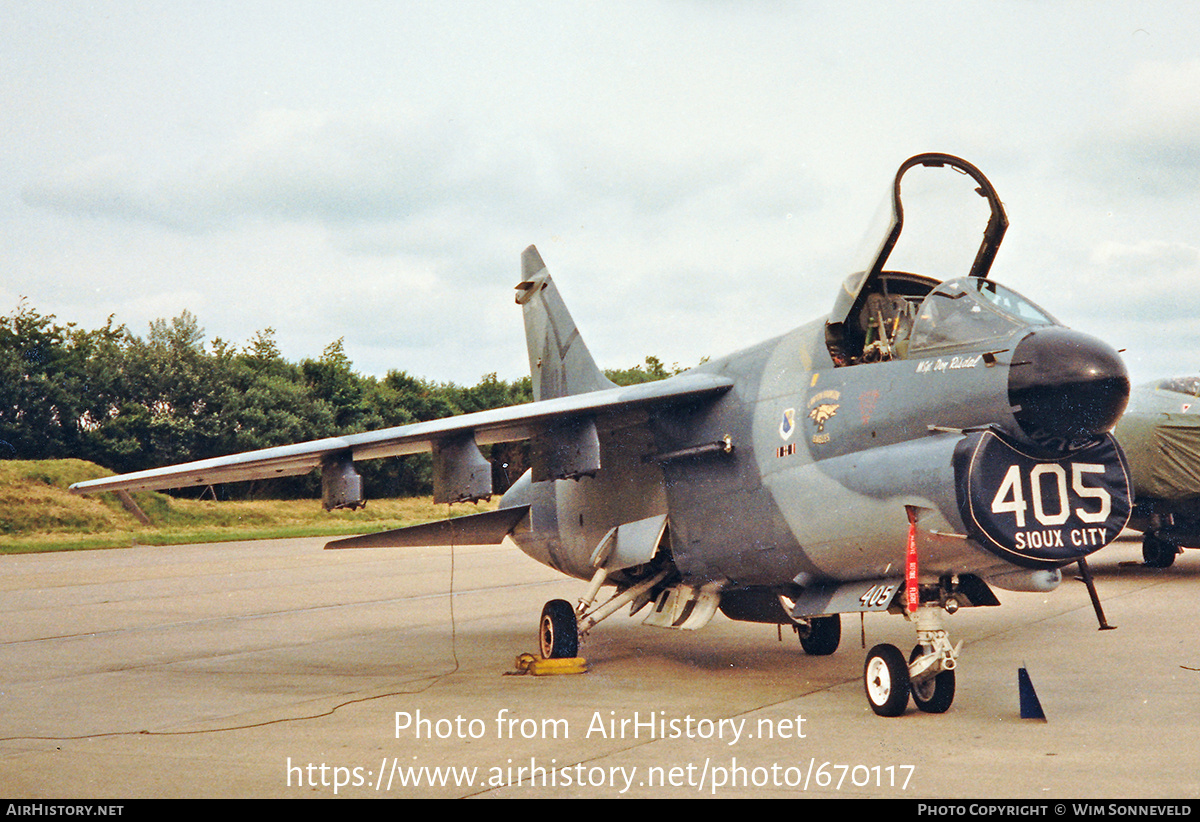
<point x="564" y="427"/>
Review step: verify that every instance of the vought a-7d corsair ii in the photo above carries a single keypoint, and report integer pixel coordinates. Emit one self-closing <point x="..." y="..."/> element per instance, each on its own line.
<point x="935" y="436"/>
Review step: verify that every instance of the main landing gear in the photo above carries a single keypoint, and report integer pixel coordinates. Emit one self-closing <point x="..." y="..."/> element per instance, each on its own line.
<point x="928" y="674"/>
<point x="1158" y="552"/>
<point x="562" y="625"/>
<point x="820" y="636"/>
<point x="558" y="634"/>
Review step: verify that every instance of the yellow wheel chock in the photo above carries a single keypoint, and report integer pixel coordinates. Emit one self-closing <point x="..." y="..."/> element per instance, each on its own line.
<point x="530" y="664"/>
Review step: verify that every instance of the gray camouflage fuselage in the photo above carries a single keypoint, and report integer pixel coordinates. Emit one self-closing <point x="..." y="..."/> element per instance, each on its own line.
<point x="825" y="499"/>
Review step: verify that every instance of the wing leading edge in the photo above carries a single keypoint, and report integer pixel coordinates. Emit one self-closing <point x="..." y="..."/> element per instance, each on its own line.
<point x="460" y="472"/>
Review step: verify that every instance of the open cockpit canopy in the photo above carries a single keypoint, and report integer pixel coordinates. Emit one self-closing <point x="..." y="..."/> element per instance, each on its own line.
<point x="942" y="222"/>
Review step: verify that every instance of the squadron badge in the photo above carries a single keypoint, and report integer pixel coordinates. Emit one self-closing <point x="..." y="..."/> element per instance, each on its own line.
<point x="822" y="407"/>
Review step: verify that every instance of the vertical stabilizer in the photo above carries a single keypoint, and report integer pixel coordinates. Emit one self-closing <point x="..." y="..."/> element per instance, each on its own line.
<point x="559" y="361"/>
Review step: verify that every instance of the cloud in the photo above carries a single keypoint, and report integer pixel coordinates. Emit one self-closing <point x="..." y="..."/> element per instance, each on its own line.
<point x="1149" y="143"/>
<point x="357" y="168"/>
<point x="291" y="165"/>
<point x="101" y="186"/>
<point x="1157" y="280"/>
<point x="1166" y="96"/>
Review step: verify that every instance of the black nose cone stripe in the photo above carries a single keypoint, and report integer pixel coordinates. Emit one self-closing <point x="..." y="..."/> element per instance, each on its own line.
<point x="1064" y="383"/>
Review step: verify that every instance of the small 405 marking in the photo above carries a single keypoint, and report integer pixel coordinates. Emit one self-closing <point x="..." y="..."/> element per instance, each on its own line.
<point x="878" y="596"/>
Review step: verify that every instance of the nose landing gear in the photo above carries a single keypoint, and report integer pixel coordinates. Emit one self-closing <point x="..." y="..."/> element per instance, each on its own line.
<point x="928" y="674"/>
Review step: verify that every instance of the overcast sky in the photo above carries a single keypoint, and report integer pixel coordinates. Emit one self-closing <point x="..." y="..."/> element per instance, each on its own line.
<point x="697" y="175"/>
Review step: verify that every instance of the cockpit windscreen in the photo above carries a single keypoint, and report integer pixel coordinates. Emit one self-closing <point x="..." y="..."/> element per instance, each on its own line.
<point x="967" y="312"/>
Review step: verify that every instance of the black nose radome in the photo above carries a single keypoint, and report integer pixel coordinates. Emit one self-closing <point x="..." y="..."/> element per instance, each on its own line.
<point x="1065" y="384"/>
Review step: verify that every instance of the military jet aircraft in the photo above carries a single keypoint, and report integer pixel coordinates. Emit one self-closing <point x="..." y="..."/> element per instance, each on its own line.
<point x="1160" y="433"/>
<point x="935" y="435"/>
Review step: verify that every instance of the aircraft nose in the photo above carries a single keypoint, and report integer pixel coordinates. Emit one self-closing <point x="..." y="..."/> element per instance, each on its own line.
<point x="1064" y="383"/>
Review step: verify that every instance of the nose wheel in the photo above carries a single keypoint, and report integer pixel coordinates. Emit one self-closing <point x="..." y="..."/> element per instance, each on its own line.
<point x="928" y="673"/>
<point x="933" y="694"/>
<point x="885" y="677"/>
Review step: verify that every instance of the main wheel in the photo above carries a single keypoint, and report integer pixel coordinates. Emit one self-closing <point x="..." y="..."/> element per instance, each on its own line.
<point x="1158" y="552"/>
<point x="934" y="695"/>
<point x="558" y="636"/>
<point x="885" y="677"/>
<point x="822" y="635"/>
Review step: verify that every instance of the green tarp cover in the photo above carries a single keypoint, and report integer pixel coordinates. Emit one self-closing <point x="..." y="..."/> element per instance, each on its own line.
<point x="1164" y="457"/>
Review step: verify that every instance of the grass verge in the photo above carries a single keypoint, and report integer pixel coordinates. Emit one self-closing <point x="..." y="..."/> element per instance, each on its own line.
<point x="37" y="513"/>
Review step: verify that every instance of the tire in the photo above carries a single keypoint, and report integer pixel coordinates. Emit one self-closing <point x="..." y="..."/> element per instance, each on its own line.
<point x="822" y="636"/>
<point x="1158" y="552"/>
<point x="885" y="679"/>
<point x="558" y="634"/>
<point x="933" y="696"/>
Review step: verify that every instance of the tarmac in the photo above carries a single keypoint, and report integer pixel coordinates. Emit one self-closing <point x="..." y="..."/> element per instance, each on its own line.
<point x="277" y="669"/>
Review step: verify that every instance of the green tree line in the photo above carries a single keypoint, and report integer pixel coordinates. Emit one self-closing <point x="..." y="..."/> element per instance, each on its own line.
<point x="129" y="403"/>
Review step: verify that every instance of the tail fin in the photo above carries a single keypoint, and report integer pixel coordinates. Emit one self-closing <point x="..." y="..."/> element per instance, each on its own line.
<point x="559" y="361"/>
